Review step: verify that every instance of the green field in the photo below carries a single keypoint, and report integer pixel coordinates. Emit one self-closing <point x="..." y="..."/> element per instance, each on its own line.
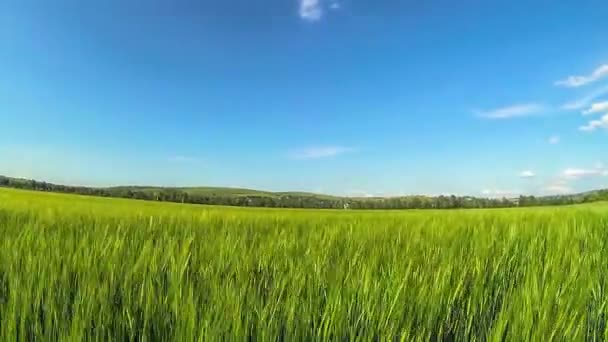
<point x="81" y="268"/>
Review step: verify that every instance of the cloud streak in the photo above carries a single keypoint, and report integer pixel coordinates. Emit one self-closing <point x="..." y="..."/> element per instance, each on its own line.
<point x="527" y="174"/>
<point x="585" y="101"/>
<point x="597" y="108"/>
<point x="579" y="81"/>
<point x="562" y="184"/>
<point x="319" y="152"/>
<point x="575" y="173"/>
<point x="594" y="125"/>
<point x="514" y="111"/>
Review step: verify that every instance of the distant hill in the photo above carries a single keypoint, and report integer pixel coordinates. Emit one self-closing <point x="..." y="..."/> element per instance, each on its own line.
<point x="220" y="191"/>
<point x="257" y="198"/>
<point x="204" y="191"/>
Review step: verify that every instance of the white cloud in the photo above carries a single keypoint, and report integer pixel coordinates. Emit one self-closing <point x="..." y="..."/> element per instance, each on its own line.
<point x="585" y="101"/>
<point x="501" y="193"/>
<point x="562" y="183"/>
<point x="555" y="139"/>
<point x="514" y="111"/>
<point x="578" y="81"/>
<point x="320" y="152"/>
<point x="597" y="108"/>
<point x="577" y="173"/>
<point x="311" y="10"/>
<point x="595" y="124"/>
<point x="527" y="174"/>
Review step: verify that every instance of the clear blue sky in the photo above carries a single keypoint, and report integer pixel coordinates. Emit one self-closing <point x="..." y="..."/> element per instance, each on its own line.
<point x="345" y="97"/>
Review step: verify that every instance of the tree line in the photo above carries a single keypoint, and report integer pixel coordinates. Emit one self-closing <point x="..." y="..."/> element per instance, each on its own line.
<point x="287" y="200"/>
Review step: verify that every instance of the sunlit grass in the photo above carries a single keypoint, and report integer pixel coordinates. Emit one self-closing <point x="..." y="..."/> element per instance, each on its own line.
<point x="103" y="269"/>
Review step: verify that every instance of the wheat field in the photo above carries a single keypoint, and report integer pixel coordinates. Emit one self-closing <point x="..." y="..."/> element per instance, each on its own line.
<point x="83" y="268"/>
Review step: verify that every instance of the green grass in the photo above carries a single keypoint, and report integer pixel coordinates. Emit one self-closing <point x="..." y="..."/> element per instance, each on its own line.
<point x="79" y="268"/>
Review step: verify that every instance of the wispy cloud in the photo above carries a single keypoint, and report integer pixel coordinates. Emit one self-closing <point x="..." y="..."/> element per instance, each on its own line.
<point x="562" y="184"/>
<point x="578" y="81"/>
<point x="578" y="173"/>
<point x="515" y="111"/>
<point x="314" y="10"/>
<point x="555" y="139"/>
<point x="594" y="125"/>
<point x="597" y="107"/>
<point x="527" y="174"/>
<point x="311" y="10"/>
<point x="585" y="101"/>
<point x="320" y="152"/>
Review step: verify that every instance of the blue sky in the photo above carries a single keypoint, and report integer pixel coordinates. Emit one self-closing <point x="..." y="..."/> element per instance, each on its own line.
<point x="348" y="97"/>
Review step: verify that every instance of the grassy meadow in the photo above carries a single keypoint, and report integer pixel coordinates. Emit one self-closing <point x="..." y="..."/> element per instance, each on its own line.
<point x="82" y="268"/>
